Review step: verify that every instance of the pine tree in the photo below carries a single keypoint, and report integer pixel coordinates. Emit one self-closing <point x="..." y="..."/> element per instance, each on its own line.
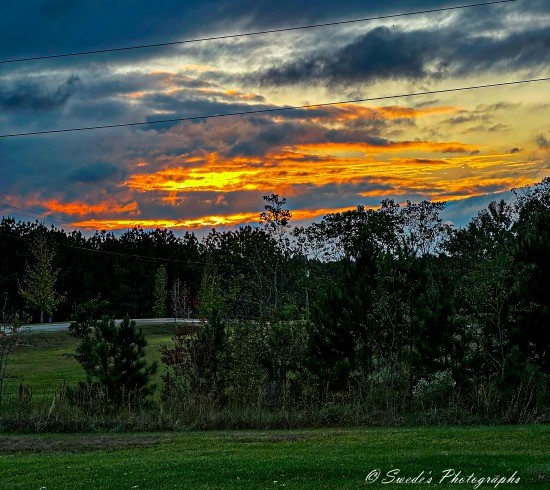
<point x="114" y="357"/>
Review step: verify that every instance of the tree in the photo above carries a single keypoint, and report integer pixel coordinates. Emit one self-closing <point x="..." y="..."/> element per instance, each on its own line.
<point x="114" y="357"/>
<point x="161" y="294"/>
<point x="180" y="298"/>
<point x="275" y="219"/>
<point x="38" y="287"/>
<point x="342" y="337"/>
<point x="532" y="264"/>
<point x="10" y="339"/>
<point x="196" y="356"/>
<point x="483" y="254"/>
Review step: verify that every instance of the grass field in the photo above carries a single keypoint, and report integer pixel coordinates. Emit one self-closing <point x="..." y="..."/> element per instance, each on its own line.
<point x="299" y="459"/>
<point x="45" y="362"/>
<point x="318" y="459"/>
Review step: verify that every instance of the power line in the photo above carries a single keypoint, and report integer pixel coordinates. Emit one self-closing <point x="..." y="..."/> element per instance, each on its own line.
<point x="274" y="109"/>
<point x="34" y="216"/>
<point x="255" y="33"/>
<point x="37" y="218"/>
<point x="43" y="216"/>
<point x="121" y="254"/>
<point x="134" y="256"/>
<point x="91" y="249"/>
<point x="144" y="258"/>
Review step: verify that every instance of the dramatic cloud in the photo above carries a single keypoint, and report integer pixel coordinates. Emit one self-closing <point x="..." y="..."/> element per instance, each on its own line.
<point x="94" y="173"/>
<point x="542" y="142"/>
<point x="391" y="53"/>
<point x="214" y="172"/>
<point x="32" y="95"/>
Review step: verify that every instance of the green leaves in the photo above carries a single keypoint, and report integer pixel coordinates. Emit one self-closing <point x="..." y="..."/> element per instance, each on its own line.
<point x="38" y="287"/>
<point x="114" y="357"/>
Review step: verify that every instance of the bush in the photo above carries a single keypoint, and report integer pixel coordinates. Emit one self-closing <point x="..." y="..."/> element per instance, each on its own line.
<point x="435" y="390"/>
<point x="113" y="357"/>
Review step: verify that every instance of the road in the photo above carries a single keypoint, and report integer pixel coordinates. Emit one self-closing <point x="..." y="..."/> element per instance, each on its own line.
<point x="59" y="326"/>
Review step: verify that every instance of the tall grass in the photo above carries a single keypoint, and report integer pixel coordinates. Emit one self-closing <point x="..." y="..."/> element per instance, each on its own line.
<point x="71" y="410"/>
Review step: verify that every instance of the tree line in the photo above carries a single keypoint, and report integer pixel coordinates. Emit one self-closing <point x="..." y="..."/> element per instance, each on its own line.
<point x="391" y="307"/>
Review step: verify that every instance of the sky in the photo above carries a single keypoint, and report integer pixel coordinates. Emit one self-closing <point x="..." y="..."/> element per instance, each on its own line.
<point x="467" y="148"/>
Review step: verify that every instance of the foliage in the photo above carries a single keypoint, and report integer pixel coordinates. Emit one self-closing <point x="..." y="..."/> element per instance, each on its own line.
<point x="434" y="390"/>
<point x="361" y="311"/>
<point x="161" y="294"/>
<point x="180" y="299"/>
<point x="11" y="332"/>
<point x="38" y="286"/>
<point x="113" y="357"/>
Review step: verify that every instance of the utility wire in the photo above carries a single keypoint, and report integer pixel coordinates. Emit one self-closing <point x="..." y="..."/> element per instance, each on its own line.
<point x="274" y="109"/>
<point x="14" y="214"/>
<point x="255" y="33"/>
<point x="85" y="249"/>
<point x="42" y="216"/>
<point x="94" y="250"/>
<point x="144" y="258"/>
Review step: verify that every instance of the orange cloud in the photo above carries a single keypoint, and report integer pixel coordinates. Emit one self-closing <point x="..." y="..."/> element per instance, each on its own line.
<point x="311" y="164"/>
<point x="352" y="112"/>
<point x="226" y="220"/>
<point x="198" y="68"/>
<point x="237" y="94"/>
<point x="426" y="146"/>
<point x="180" y="179"/>
<point x="82" y="209"/>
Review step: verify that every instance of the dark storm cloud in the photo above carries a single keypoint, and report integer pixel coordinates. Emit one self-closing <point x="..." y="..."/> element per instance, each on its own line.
<point x="48" y="164"/>
<point x="197" y="105"/>
<point x="542" y="142"/>
<point x="94" y="173"/>
<point x="66" y="26"/>
<point x="389" y="53"/>
<point x="251" y="136"/>
<point x="32" y="95"/>
<point x="380" y="54"/>
<point x="263" y="138"/>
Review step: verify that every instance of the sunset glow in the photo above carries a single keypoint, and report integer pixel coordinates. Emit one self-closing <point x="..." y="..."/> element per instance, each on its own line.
<point x="203" y="173"/>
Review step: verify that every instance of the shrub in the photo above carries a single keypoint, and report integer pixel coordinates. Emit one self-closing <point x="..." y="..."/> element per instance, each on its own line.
<point x="435" y="390"/>
<point x="113" y="357"/>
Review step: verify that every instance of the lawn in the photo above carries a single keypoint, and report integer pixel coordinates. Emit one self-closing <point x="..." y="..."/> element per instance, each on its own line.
<point x="45" y="362"/>
<point x="316" y="459"/>
<point x="330" y="458"/>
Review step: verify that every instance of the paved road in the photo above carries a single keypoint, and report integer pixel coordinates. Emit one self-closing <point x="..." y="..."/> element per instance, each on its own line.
<point x="58" y="326"/>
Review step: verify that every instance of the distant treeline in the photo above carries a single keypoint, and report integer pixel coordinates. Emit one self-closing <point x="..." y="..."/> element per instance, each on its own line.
<point x="391" y="301"/>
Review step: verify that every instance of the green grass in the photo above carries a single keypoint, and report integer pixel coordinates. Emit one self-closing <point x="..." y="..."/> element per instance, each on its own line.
<point x="44" y="363"/>
<point x="316" y="459"/>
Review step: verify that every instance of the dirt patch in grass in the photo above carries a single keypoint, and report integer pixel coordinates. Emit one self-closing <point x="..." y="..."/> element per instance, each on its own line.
<point x="77" y="444"/>
<point x="270" y="438"/>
